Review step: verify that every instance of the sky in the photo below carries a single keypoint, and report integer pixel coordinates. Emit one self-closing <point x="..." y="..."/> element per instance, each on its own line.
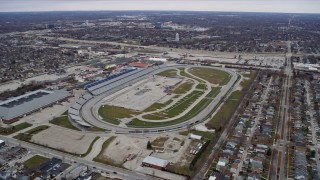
<point x="283" y="6"/>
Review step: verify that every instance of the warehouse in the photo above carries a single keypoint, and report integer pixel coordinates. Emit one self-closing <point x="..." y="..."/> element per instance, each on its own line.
<point x="11" y="110"/>
<point x="155" y="163"/>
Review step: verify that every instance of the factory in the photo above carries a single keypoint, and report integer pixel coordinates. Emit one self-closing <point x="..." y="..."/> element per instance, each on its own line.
<point x="12" y="109"/>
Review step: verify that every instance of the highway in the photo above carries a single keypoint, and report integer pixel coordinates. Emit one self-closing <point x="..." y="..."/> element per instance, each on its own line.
<point x="89" y="113"/>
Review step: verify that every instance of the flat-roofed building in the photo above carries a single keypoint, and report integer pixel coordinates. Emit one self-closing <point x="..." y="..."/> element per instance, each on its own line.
<point x="154" y="162"/>
<point x="12" y="109"/>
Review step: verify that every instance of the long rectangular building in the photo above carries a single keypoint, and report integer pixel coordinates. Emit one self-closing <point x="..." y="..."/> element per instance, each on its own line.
<point x="11" y="110"/>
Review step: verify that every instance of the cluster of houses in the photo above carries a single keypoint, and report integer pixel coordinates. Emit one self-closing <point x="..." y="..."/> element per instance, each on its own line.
<point x="246" y="153"/>
<point x="306" y="134"/>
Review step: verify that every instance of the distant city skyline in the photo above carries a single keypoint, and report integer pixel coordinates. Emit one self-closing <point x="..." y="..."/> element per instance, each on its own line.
<point x="282" y="6"/>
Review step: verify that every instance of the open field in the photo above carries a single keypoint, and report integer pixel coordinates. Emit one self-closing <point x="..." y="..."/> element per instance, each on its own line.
<point x="177" y="108"/>
<point x="13" y="129"/>
<point x="116" y="149"/>
<point x="111" y="114"/>
<point x="100" y="157"/>
<point x="168" y="73"/>
<point x="142" y="95"/>
<point x="159" y="142"/>
<point x="156" y="106"/>
<point x="225" y="112"/>
<point x="63" y="122"/>
<point x="62" y="139"/>
<point x="193" y="112"/>
<point x="35" y="161"/>
<point x="183" y="88"/>
<point x="201" y="86"/>
<point x="211" y="75"/>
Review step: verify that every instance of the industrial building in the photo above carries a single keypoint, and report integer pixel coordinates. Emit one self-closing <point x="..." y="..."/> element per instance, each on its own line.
<point x="11" y="110"/>
<point x="155" y="163"/>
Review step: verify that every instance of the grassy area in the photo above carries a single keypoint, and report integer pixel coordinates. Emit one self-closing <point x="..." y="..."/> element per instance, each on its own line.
<point x="201" y="86"/>
<point x="223" y="116"/>
<point x="100" y="157"/>
<point x="35" y="161"/>
<point x="111" y="114"/>
<point x="90" y="147"/>
<point x="168" y="73"/>
<point x="94" y="128"/>
<point x="193" y="112"/>
<point x="183" y="73"/>
<point x="159" y="142"/>
<point x="236" y="95"/>
<point x="27" y="136"/>
<point x="177" y="108"/>
<point x="63" y="121"/>
<point x="156" y="106"/>
<point x="211" y="75"/>
<point x="183" y="88"/>
<point x="247" y="79"/>
<point x="226" y="111"/>
<point x="205" y="134"/>
<point x="14" y="129"/>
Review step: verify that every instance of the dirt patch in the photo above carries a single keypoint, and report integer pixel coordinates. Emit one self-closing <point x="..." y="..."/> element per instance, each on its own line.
<point x="66" y="140"/>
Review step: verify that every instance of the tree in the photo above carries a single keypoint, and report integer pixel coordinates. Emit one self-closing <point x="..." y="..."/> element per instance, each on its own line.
<point x="269" y="152"/>
<point x="149" y="146"/>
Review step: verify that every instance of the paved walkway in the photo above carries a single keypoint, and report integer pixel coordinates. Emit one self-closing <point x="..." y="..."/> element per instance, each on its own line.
<point x="96" y="148"/>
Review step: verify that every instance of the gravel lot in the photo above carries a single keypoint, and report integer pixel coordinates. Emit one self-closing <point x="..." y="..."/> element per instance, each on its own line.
<point x="64" y="139"/>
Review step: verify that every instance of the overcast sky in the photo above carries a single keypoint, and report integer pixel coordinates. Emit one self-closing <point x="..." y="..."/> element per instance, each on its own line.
<point x="284" y="6"/>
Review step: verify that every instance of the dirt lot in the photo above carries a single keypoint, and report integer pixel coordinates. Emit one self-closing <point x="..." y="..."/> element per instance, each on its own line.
<point x="64" y="139"/>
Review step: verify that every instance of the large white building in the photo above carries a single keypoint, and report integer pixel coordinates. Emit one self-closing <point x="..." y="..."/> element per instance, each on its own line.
<point x="177" y="37"/>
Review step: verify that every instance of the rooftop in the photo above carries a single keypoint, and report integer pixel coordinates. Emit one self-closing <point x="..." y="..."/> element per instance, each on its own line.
<point x="30" y="102"/>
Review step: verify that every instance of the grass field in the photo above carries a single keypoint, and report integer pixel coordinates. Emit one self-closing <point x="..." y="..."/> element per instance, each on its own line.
<point x="211" y="75"/>
<point x="14" y="129"/>
<point x="168" y="73"/>
<point x="159" y="142"/>
<point x="63" y="122"/>
<point x="225" y="113"/>
<point x="111" y="114"/>
<point x="90" y="147"/>
<point x="156" y="106"/>
<point x="201" y="86"/>
<point x="100" y="157"/>
<point x="193" y="112"/>
<point x="177" y="108"/>
<point x="28" y="135"/>
<point x="183" y="88"/>
<point x="35" y="161"/>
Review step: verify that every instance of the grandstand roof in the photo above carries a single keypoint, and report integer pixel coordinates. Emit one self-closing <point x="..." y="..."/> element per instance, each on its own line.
<point x="27" y="103"/>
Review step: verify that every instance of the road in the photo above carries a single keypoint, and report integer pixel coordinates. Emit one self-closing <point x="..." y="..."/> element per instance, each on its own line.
<point x="279" y="163"/>
<point x="126" y="174"/>
<point x="90" y="115"/>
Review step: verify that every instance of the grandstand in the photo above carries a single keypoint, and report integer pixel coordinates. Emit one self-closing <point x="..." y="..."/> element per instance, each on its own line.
<point x="103" y="86"/>
<point x="74" y="110"/>
<point x="108" y="80"/>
